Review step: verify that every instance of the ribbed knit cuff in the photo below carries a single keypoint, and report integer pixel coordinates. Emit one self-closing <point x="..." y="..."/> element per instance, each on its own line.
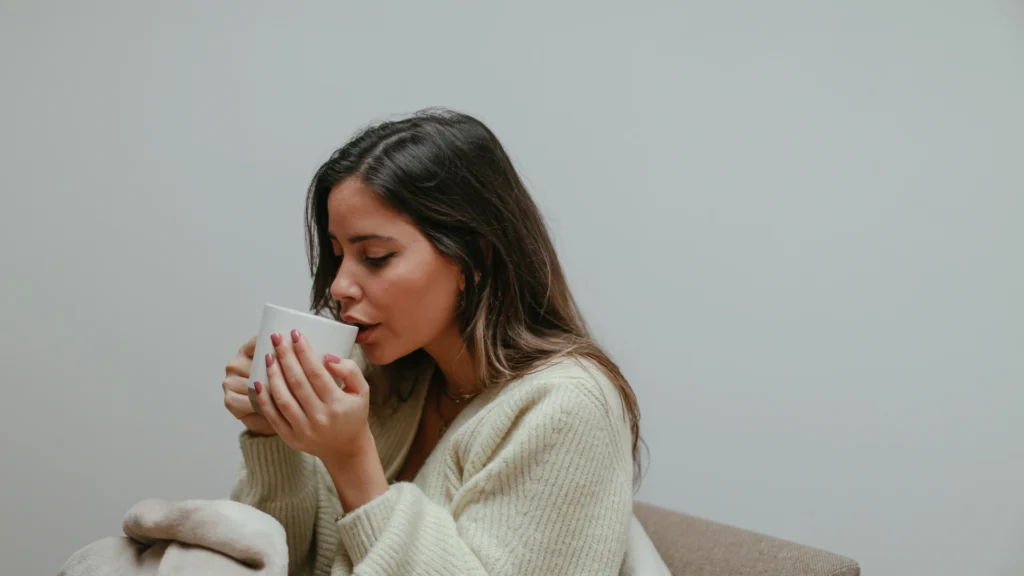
<point x="361" y="528"/>
<point x="273" y="469"/>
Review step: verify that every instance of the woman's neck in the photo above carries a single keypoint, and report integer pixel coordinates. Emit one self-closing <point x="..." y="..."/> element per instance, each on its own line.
<point x="455" y="362"/>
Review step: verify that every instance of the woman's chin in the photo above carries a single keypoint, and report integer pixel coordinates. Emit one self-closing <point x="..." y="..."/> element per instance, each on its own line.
<point x="372" y="354"/>
<point x="378" y="355"/>
<point x="383" y="356"/>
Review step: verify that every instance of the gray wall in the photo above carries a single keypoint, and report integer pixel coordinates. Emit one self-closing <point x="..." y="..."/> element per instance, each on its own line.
<point x="797" y="225"/>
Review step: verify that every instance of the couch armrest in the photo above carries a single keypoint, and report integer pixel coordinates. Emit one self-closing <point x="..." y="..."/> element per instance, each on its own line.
<point x="696" y="547"/>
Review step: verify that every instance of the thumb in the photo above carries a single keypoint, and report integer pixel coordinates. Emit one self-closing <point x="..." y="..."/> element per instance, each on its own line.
<point x="349" y="373"/>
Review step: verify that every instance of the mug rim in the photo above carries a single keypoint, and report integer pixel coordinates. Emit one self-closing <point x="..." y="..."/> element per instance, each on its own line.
<point x="286" y="310"/>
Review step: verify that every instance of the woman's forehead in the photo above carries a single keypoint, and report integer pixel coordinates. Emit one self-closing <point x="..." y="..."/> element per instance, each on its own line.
<point x="353" y="209"/>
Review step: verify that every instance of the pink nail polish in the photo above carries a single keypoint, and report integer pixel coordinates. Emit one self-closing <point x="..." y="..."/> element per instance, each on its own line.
<point x="295" y="336"/>
<point x="275" y="339"/>
<point x="331" y="358"/>
<point x="270" y="360"/>
<point x="258" y="387"/>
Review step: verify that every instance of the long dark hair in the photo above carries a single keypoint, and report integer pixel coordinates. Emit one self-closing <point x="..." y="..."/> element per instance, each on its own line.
<point x="449" y="173"/>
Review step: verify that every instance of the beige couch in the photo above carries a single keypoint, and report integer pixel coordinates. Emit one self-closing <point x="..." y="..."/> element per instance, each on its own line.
<point x="695" y="547"/>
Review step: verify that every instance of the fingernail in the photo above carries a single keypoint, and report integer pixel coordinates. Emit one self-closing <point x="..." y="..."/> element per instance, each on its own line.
<point x="258" y="387"/>
<point x="295" y="336"/>
<point x="331" y="358"/>
<point x="275" y="339"/>
<point x="270" y="360"/>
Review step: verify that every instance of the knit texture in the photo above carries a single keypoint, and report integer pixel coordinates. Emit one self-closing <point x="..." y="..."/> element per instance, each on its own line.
<point x="534" y="477"/>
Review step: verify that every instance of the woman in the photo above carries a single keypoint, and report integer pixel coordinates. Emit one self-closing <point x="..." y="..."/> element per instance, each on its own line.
<point x="481" y="430"/>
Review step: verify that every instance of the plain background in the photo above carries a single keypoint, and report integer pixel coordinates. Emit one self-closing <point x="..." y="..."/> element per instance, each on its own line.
<point x="797" y="225"/>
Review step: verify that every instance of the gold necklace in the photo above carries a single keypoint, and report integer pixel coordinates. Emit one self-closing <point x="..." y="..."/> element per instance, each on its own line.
<point x="461" y="398"/>
<point x="442" y="385"/>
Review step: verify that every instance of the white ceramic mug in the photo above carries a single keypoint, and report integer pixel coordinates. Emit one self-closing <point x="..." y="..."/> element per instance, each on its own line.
<point x="326" y="336"/>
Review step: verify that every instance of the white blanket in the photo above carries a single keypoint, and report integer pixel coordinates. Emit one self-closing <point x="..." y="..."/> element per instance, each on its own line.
<point x="194" y="537"/>
<point x="226" y="538"/>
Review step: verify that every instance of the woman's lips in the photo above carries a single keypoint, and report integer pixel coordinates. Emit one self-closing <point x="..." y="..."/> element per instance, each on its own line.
<point x="366" y="331"/>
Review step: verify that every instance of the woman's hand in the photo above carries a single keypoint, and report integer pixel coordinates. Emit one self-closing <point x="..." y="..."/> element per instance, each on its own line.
<point x="309" y="410"/>
<point x="236" y="391"/>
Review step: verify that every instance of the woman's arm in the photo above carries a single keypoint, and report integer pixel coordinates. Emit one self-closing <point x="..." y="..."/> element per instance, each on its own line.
<point x="294" y="488"/>
<point x="287" y="485"/>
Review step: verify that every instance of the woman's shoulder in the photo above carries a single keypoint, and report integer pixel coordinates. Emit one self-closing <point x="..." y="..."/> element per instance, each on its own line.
<point x="565" y="405"/>
<point x="569" y="387"/>
<point x="573" y="380"/>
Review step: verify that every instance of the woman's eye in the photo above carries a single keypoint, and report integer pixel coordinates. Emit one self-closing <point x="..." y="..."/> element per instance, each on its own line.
<point x="378" y="261"/>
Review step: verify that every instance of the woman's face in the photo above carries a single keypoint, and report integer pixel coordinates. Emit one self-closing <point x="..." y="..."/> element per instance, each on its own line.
<point x="392" y="281"/>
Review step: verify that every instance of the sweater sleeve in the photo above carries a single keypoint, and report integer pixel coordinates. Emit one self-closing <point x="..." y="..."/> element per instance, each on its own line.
<point x="294" y="488"/>
<point x="552" y="496"/>
<point x="286" y="484"/>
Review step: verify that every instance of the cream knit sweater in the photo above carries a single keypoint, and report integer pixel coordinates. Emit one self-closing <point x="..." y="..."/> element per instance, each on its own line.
<point x="534" y="477"/>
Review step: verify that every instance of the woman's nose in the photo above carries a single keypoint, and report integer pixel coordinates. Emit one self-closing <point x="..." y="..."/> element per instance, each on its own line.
<point x="344" y="287"/>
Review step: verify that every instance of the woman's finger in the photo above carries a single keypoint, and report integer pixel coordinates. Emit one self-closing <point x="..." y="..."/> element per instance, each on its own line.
<point x="285" y="414"/>
<point x="319" y="378"/>
<point x="238" y="404"/>
<point x="350" y="373"/>
<point x="237" y="384"/>
<point x="295" y="378"/>
<point x="249" y="348"/>
<point x="274" y="418"/>
<point x="239" y="366"/>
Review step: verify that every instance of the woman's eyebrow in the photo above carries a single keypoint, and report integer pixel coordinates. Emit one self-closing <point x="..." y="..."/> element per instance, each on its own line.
<point x="363" y="238"/>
